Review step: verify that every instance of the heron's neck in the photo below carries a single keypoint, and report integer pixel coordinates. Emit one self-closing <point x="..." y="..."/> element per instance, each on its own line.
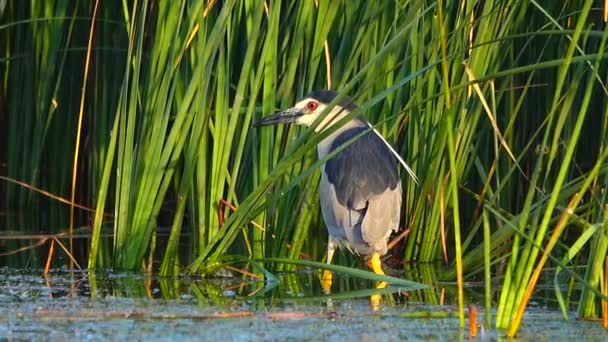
<point x="325" y="144"/>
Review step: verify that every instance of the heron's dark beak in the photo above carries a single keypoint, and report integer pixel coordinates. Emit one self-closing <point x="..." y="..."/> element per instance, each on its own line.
<point x="286" y="116"/>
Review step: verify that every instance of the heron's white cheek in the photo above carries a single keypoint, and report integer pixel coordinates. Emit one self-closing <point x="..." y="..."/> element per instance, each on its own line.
<point x="306" y="119"/>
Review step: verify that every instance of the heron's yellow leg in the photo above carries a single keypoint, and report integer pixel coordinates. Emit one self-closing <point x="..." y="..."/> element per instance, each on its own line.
<point x="376" y="265"/>
<point x="326" y="281"/>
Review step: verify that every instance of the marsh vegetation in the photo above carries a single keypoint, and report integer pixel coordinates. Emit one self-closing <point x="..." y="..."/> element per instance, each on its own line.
<point x="141" y="111"/>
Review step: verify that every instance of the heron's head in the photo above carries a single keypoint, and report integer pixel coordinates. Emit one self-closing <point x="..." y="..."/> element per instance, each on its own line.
<point x="308" y="109"/>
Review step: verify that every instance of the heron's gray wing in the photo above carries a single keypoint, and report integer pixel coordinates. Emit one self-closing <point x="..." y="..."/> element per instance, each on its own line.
<point x="342" y="223"/>
<point x="363" y="179"/>
<point x="362" y="170"/>
<point x="381" y="218"/>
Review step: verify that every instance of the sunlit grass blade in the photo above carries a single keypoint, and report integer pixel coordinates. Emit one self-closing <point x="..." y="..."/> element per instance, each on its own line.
<point x="352" y="272"/>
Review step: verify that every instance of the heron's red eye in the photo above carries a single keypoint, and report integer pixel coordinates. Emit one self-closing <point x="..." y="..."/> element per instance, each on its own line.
<point x="312" y="105"/>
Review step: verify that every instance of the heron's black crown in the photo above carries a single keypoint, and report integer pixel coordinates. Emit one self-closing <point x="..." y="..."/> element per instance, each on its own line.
<point x="326" y="96"/>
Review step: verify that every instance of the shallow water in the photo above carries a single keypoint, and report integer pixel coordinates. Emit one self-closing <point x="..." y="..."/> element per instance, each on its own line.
<point x="121" y="306"/>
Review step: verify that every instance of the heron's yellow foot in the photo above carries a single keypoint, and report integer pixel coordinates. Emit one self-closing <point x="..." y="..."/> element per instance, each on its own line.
<point x="326" y="281"/>
<point x="376" y="265"/>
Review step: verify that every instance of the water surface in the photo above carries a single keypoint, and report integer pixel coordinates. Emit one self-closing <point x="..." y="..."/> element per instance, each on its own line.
<point x="114" y="306"/>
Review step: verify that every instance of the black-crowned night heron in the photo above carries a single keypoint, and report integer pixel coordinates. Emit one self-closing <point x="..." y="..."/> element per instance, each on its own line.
<point x="360" y="187"/>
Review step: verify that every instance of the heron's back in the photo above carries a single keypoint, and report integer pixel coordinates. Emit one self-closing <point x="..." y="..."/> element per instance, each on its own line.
<point x="360" y="190"/>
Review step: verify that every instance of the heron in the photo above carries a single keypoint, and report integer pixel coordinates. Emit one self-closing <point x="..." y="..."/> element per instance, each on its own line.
<point x="360" y="189"/>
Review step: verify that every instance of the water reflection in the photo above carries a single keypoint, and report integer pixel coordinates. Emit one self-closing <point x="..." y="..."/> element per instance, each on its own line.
<point x="302" y="285"/>
<point x="112" y="304"/>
